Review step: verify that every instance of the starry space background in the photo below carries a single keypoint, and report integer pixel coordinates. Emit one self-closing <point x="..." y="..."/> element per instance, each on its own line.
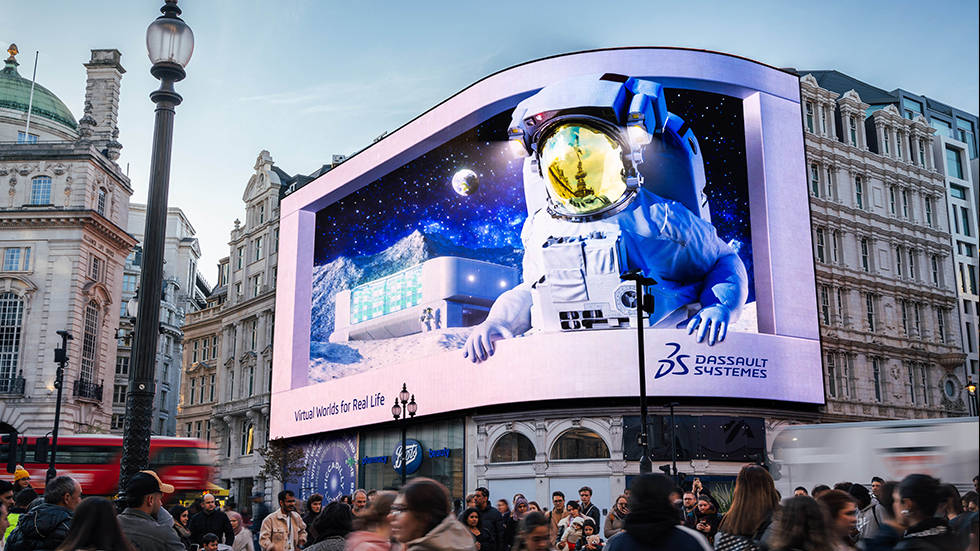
<point x="419" y="196"/>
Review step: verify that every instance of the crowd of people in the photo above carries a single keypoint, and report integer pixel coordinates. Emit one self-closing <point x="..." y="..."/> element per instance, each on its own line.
<point x="917" y="513"/>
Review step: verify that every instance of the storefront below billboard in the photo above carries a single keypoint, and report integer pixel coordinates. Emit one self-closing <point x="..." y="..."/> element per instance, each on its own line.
<point x="434" y="450"/>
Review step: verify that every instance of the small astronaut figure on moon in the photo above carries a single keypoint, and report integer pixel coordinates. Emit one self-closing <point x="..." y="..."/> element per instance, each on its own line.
<point x="614" y="183"/>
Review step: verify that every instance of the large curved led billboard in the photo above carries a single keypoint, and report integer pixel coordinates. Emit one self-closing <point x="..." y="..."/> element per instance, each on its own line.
<point x="488" y="252"/>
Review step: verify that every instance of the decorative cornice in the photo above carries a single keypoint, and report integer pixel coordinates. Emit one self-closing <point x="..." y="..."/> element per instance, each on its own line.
<point x="69" y="219"/>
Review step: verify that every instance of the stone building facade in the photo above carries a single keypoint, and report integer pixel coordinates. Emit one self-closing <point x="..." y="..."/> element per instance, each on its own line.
<point x="64" y="242"/>
<point x="227" y="355"/>
<point x="885" y="277"/>
<point x="185" y="290"/>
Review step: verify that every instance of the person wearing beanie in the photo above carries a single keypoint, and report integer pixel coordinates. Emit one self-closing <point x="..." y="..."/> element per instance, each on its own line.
<point x="22" y="480"/>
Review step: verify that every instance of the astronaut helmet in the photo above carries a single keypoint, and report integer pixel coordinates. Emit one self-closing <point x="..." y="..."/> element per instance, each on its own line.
<point x="585" y="137"/>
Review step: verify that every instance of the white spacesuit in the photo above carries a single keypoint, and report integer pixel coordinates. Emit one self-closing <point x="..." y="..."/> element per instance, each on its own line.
<point x="604" y="152"/>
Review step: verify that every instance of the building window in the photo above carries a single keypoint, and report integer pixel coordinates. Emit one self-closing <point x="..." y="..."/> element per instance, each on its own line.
<point x="129" y="283"/>
<point x="869" y="301"/>
<point x="197" y="429"/>
<point x="965" y="215"/>
<point x="954" y="164"/>
<point x="941" y="319"/>
<point x="886" y="134"/>
<point x="898" y="145"/>
<point x="815" y="180"/>
<point x="918" y="325"/>
<point x="11" y="323"/>
<point x="122" y="365"/>
<point x="205" y="349"/>
<point x="911" y="381"/>
<point x="41" y="190"/>
<point x="100" y="208"/>
<point x="90" y="341"/>
<point x="924" y="375"/>
<point x="195" y="348"/>
<point x="258" y="248"/>
<point x="823" y="119"/>
<point x="261" y="214"/>
<point x="891" y="199"/>
<point x="26" y="138"/>
<point x="579" y="444"/>
<point x="859" y="192"/>
<point x="254" y="334"/>
<point x="865" y="259"/>
<point x="840" y="305"/>
<point x="912" y="274"/>
<point x="256" y="285"/>
<point x="853" y="125"/>
<point x="193" y="391"/>
<point x="825" y="304"/>
<point x="119" y="395"/>
<point x="231" y="384"/>
<point x="251" y="381"/>
<point x="832" y="374"/>
<point x="97" y="268"/>
<point x="163" y="400"/>
<point x="876" y="375"/>
<point x="512" y="447"/>
<point x="117" y="421"/>
<point x="275" y="244"/>
<point x="929" y="211"/>
<point x="964" y="130"/>
<point x="905" y="204"/>
<point x="211" y="388"/>
<point x="922" y="154"/>
<point x="898" y="261"/>
<point x="17" y="259"/>
<point x="241" y="257"/>
<point x="275" y="276"/>
<point x="207" y="431"/>
<point x="905" y="317"/>
<point x="820" y="245"/>
<point x="248" y="434"/>
<point x="935" y="271"/>
<point x="809" y="116"/>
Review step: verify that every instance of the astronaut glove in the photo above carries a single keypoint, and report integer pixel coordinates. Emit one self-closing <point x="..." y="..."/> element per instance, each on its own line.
<point x="711" y="322"/>
<point x="479" y="345"/>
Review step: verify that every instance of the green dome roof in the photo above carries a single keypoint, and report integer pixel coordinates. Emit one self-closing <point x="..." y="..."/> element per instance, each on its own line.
<point x="15" y="93"/>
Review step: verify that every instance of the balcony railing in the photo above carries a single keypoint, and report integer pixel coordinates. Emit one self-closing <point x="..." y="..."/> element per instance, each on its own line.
<point x="13" y="385"/>
<point x="88" y="389"/>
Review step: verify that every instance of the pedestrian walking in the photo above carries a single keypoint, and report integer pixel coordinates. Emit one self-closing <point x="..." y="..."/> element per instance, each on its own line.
<point x="94" y="527"/>
<point x="181" y="518"/>
<point x="842" y="515"/>
<point x="243" y="537"/>
<point x="372" y="530"/>
<point x="420" y="518"/>
<point x="919" y="497"/>
<point x="144" y="521"/>
<point x="891" y="529"/>
<point x="652" y="523"/>
<point x="332" y="526"/>
<point x="800" y="525"/>
<point x="614" y="520"/>
<point x="471" y="519"/>
<point x="313" y="506"/>
<point x="211" y="520"/>
<point x="283" y="530"/>
<point x="535" y="533"/>
<point x="46" y="526"/>
<point x="748" y="520"/>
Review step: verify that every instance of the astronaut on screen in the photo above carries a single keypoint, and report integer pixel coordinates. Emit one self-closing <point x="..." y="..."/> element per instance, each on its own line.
<point x="613" y="182"/>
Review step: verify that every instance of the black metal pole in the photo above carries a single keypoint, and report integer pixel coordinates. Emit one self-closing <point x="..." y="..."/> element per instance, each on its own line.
<point x="61" y="357"/>
<point x="673" y="440"/>
<point x="404" y="443"/>
<point x="139" y="410"/>
<point x="646" y="464"/>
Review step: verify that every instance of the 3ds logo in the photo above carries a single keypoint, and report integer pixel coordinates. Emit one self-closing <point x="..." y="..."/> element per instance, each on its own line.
<point x="672" y="362"/>
<point x="413" y="456"/>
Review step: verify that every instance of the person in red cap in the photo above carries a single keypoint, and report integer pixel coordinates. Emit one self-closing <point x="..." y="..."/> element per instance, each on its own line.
<point x="145" y="522"/>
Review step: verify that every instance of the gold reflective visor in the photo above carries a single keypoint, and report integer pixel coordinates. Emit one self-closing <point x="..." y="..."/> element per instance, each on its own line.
<point x="584" y="166"/>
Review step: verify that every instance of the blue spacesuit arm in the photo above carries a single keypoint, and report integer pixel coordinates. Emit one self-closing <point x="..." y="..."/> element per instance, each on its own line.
<point x="510" y="315"/>
<point x="722" y="298"/>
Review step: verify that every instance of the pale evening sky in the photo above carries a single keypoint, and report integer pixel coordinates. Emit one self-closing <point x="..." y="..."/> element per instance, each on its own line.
<point x="306" y="79"/>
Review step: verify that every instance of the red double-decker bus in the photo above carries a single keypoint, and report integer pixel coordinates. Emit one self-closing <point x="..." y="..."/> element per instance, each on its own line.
<point x="93" y="460"/>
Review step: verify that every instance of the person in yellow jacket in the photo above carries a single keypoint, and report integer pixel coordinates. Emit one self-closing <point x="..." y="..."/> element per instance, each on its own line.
<point x="284" y="529"/>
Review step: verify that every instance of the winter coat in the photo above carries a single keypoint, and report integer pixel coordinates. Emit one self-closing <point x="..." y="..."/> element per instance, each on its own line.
<point x="274" y="528"/>
<point x="184" y="535"/>
<point x="42" y="528"/>
<point x="216" y="523"/>
<point x="644" y="532"/>
<point x="243" y="541"/>
<point x="613" y="524"/>
<point x="711" y="518"/>
<point x="932" y="534"/>
<point x="332" y="543"/>
<point x="449" y="535"/>
<point x="367" y="541"/>
<point x="493" y="521"/>
<point x="147" y="533"/>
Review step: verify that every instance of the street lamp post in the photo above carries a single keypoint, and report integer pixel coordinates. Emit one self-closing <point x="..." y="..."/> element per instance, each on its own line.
<point x="169" y="43"/>
<point x="673" y="440"/>
<point x="971" y="388"/>
<point x="61" y="358"/>
<point x="646" y="464"/>
<point x="404" y="406"/>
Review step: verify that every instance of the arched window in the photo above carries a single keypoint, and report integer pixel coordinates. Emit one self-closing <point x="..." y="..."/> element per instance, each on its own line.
<point x="90" y="341"/>
<point x="512" y="446"/>
<point x="41" y="190"/>
<point x="579" y="444"/>
<point x="101" y="205"/>
<point x="248" y="434"/>
<point x="11" y="321"/>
